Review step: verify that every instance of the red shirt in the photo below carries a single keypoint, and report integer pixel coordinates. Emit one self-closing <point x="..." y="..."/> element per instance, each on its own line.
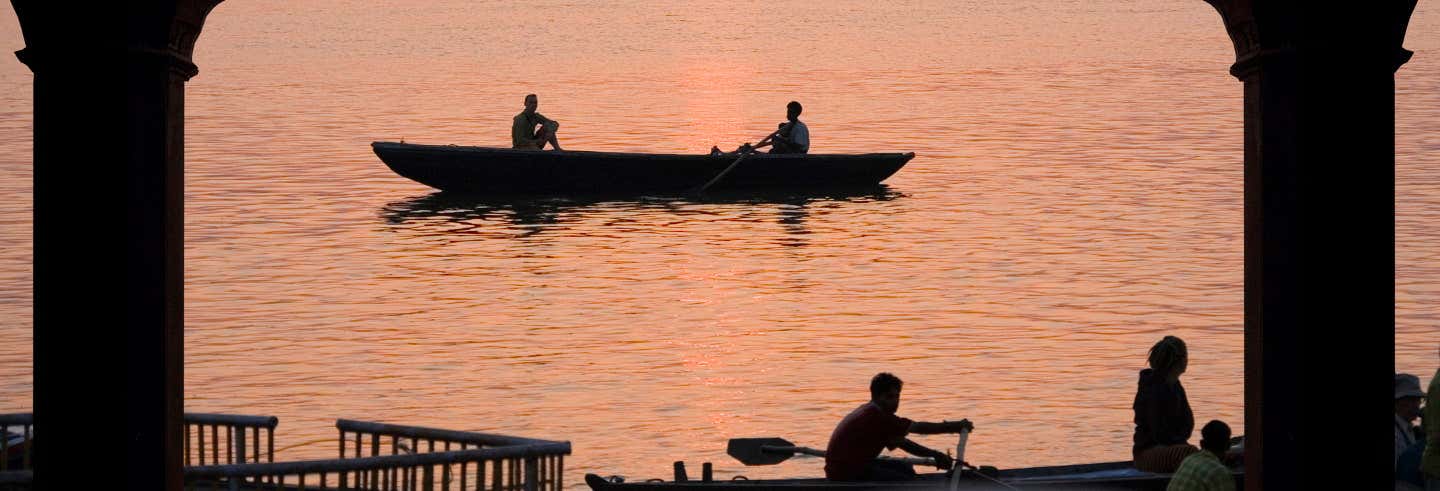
<point x="858" y="438"/>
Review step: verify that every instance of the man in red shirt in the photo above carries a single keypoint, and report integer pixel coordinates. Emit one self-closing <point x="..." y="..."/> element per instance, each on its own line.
<point x="859" y="437"/>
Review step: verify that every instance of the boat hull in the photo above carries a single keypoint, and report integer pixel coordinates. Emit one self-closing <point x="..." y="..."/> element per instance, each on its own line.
<point x="1109" y="475"/>
<point x="508" y="171"/>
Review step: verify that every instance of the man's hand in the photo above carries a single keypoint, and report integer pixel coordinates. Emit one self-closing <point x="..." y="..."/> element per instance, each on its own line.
<point x="944" y="462"/>
<point x="962" y="425"/>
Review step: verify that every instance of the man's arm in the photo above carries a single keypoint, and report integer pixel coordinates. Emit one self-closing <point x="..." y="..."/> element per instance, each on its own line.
<point x="777" y="135"/>
<point x="942" y="461"/>
<point x="924" y="428"/>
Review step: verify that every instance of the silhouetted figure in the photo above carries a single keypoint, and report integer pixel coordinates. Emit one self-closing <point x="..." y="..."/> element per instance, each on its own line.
<point x="1206" y="471"/>
<point x="1430" y="462"/>
<point x="1408" y="397"/>
<point x="794" y="136"/>
<point x="1163" y="420"/>
<point x="791" y="137"/>
<point x="1407" y="469"/>
<point x="859" y="437"/>
<point x="523" y="134"/>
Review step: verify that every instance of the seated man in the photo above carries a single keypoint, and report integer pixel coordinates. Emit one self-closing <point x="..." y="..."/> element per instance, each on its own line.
<point x="793" y="136"/>
<point x="1204" y="470"/>
<point x="523" y="133"/>
<point x="858" y="439"/>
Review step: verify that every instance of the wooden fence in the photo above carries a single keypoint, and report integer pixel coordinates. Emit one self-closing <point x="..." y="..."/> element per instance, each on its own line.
<point x="383" y="457"/>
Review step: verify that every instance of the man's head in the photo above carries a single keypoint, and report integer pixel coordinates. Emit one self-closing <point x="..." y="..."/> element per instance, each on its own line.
<point x="792" y="110"/>
<point x="1169" y="358"/>
<point x="531" y="102"/>
<point x="1215" y="437"/>
<point x="885" y="391"/>
<point x="1408" y="396"/>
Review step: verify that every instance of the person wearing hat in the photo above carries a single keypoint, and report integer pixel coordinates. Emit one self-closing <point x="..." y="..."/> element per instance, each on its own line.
<point x="1407" y="407"/>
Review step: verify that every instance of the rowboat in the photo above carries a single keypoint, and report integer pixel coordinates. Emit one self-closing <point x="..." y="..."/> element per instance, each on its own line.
<point x="1108" y="475"/>
<point x="485" y="170"/>
<point x="770" y="451"/>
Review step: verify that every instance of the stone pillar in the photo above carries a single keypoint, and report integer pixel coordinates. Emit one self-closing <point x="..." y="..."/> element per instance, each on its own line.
<point x="80" y="239"/>
<point x="1319" y="238"/>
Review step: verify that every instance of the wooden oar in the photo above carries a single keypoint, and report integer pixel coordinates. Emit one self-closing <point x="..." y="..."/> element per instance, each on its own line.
<point x="770" y="451"/>
<point x="747" y="153"/>
<point x="959" y="459"/>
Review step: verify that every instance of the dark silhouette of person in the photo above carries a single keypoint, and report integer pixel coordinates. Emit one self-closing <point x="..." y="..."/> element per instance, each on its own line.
<point x="1206" y="471"/>
<point x="1408" y="397"/>
<point x="858" y="439"/>
<point x="1430" y="456"/>
<point x="523" y="134"/>
<point x="792" y="136"/>
<point x="1163" y="420"/>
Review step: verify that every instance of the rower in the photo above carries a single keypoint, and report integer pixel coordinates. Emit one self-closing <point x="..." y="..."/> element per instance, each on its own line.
<point x="794" y="136"/>
<point x="791" y="137"/>
<point x="858" y="439"/>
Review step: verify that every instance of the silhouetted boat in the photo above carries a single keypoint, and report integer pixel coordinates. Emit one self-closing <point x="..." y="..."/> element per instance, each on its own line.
<point x="509" y="171"/>
<point x="1109" y="475"/>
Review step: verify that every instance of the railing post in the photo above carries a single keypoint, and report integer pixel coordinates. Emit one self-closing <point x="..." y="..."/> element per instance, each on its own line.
<point x="200" y="443"/>
<point x="429" y="479"/>
<point x="375" y="452"/>
<point x="240" y="444"/>
<point x="531" y="474"/>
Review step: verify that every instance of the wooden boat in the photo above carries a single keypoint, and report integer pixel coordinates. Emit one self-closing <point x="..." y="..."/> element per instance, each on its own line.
<point x="510" y="171"/>
<point x="1109" y="475"/>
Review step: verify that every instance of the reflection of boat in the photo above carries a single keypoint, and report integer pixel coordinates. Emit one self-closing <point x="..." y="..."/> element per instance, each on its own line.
<point x="510" y="171"/>
<point x="1109" y="475"/>
<point x="536" y="210"/>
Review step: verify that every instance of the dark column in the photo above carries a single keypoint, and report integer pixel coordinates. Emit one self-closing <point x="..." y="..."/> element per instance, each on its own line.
<point x="1319" y="238"/>
<point x="80" y="238"/>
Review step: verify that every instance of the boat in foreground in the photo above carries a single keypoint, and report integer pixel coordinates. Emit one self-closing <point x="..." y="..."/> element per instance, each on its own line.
<point x="1109" y="475"/>
<point x="512" y="171"/>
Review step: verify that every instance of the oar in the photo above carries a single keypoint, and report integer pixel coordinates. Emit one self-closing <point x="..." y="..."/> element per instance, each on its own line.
<point x="770" y="451"/>
<point x="959" y="459"/>
<point x="727" y="170"/>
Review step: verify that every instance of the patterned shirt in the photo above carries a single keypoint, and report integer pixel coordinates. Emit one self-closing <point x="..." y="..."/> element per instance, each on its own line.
<point x="1202" y="471"/>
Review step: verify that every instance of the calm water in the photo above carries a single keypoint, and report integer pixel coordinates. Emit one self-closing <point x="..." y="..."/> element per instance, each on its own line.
<point x="1076" y="195"/>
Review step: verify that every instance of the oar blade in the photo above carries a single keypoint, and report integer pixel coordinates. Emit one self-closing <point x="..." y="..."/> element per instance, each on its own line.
<point x="751" y="451"/>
